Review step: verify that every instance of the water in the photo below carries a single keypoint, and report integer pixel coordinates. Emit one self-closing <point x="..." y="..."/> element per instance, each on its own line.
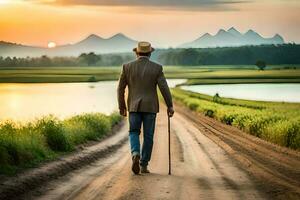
<point x="282" y="92"/>
<point x="28" y="101"/>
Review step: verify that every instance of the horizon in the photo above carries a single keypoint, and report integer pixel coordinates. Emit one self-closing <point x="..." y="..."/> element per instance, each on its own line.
<point x="124" y="35"/>
<point x="68" y="21"/>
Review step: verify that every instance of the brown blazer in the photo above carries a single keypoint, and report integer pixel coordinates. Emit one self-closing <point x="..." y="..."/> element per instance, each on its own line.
<point x="142" y="77"/>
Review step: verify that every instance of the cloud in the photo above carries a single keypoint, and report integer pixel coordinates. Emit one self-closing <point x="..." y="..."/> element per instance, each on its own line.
<point x="162" y="4"/>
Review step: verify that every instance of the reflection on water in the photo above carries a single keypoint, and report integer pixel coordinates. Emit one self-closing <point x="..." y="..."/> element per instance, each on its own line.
<point x="287" y="92"/>
<point x="27" y="101"/>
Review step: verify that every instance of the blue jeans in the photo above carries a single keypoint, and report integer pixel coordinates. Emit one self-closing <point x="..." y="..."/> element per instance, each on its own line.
<point x="136" y="119"/>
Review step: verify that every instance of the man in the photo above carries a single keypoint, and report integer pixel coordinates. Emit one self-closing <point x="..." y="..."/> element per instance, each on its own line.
<point x="142" y="77"/>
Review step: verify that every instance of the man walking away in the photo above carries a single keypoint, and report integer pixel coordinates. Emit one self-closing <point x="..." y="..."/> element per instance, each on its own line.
<point x="142" y="77"/>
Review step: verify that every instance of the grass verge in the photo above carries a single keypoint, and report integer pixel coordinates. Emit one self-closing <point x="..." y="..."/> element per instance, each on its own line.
<point x="26" y="145"/>
<point x="272" y="121"/>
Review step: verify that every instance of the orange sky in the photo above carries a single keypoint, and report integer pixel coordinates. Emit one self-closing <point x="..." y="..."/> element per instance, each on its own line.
<point x="34" y="23"/>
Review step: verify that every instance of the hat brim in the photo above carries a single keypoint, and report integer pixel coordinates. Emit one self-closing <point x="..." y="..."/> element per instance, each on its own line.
<point x="136" y="50"/>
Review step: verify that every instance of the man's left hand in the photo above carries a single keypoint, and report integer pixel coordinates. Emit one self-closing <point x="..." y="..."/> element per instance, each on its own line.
<point x="171" y="111"/>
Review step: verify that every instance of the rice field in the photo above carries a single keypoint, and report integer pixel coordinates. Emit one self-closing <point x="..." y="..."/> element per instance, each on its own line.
<point x="195" y="74"/>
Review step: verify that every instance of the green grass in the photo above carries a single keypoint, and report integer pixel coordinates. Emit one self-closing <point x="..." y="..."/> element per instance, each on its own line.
<point x="57" y="74"/>
<point x="240" y="81"/>
<point x="25" y="145"/>
<point x="195" y="74"/>
<point x="272" y="121"/>
<point x="233" y="74"/>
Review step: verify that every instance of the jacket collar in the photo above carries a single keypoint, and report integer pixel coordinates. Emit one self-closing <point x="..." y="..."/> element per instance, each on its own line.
<point x="143" y="57"/>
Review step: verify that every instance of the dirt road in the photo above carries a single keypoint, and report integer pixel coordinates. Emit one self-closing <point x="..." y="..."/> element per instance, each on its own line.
<point x="200" y="170"/>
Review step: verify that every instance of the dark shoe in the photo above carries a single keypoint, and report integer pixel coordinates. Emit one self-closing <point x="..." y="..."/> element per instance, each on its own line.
<point x="136" y="164"/>
<point x="144" y="169"/>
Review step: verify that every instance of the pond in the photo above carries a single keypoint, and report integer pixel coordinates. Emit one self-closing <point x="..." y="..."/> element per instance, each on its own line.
<point x="29" y="101"/>
<point x="282" y="92"/>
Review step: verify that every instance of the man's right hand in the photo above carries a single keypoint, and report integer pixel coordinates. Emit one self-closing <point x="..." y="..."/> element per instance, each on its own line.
<point x="171" y="111"/>
<point x="123" y="112"/>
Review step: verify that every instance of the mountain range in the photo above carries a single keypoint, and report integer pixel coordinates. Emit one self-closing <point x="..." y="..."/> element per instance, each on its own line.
<point x="232" y="37"/>
<point x="93" y="43"/>
<point x="120" y="43"/>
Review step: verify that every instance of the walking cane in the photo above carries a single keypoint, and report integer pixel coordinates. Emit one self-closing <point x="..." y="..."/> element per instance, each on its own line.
<point x="169" y="144"/>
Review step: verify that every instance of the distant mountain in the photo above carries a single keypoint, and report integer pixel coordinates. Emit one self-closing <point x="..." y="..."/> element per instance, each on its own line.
<point x="232" y="37"/>
<point x="93" y="43"/>
<point x="18" y="50"/>
<point x="234" y="32"/>
<point x="120" y="43"/>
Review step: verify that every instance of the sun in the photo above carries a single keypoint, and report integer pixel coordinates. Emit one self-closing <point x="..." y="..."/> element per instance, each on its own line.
<point x="51" y="45"/>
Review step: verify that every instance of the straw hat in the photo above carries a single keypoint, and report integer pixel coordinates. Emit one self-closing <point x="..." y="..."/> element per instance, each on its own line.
<point x="144" y="47"/>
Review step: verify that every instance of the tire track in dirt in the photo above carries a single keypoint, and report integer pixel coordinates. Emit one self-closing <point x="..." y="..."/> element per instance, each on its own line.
<point x="288" y="161"/>
<point x="277" y="167"/>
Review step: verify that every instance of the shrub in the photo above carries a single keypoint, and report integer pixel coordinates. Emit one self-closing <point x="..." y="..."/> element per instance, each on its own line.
<point x="20" y="146"/>
<point x="284" y="132"/>
<point x="92" y="79"/>
<point x="192" y="105"/>
<point x="76" y="131"/>
<point x="115" y="118"/>
<point x="93" y="125"/>
<point x="55" y="134"/>
<point x="209" y="113"/>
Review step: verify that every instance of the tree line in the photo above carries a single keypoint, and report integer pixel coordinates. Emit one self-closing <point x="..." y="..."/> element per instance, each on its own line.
<point x="245" y="55"/>
<point x="85" y="59"/>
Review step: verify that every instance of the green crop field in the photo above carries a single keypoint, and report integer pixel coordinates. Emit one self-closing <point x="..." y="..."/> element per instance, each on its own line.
<point x="195" y="74"/>
<point x="272" y="121"/>
<point x="25" y="145"/>
<point x="57" y="74"/>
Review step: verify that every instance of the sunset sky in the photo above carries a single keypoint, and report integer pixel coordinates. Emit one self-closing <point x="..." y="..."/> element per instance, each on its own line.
<point x="163" y="22"/>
